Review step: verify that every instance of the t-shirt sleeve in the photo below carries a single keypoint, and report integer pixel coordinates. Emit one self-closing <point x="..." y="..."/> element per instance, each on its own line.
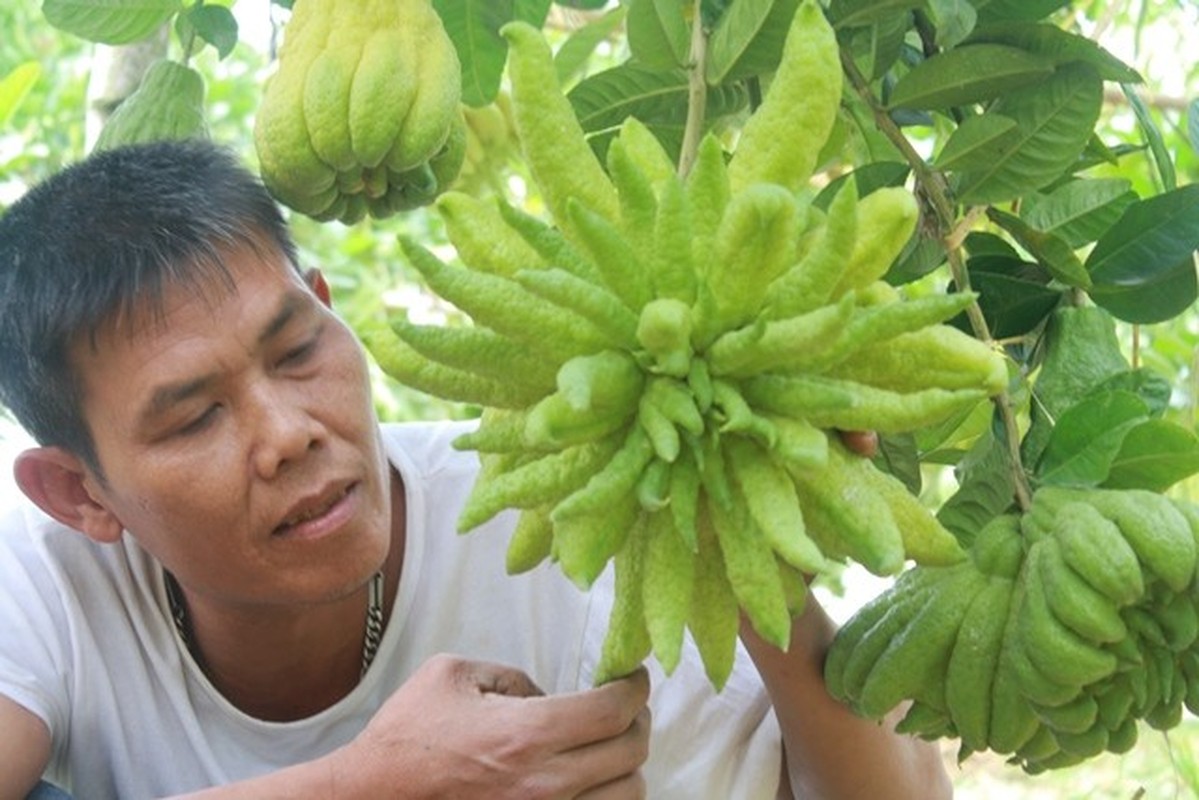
<point x="33" y="656"/>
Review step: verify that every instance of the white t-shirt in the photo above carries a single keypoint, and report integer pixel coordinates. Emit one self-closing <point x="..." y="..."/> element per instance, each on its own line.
<point x="86" y="643"/>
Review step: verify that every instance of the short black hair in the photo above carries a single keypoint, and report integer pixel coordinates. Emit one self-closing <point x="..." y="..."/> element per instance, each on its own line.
<point x="105" y="237"/>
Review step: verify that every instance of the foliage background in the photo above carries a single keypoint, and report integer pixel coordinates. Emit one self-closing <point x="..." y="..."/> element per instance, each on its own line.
<point x="60" y="83"/>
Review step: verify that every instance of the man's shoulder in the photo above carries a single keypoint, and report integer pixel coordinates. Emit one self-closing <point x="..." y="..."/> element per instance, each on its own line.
<point x="427" y="447"/>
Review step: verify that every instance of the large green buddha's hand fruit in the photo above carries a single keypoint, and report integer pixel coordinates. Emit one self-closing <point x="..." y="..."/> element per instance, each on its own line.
<point x="363" y="114"/>
<point x="705" y="333"/>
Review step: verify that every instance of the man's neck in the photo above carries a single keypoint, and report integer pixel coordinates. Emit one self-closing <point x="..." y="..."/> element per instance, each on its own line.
<point x="293" y="664"/>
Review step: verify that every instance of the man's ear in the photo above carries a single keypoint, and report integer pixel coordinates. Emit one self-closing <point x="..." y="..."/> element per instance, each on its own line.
<point x="316" y="281"/>
<point x="58" y="483"/>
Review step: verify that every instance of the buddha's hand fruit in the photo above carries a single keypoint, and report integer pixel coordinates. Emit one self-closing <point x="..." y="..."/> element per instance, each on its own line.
<point x="363" y="114"/>
<point x="1085" y="623"/>
<point x="667" y="361"/>
<point x="167" y="104"/>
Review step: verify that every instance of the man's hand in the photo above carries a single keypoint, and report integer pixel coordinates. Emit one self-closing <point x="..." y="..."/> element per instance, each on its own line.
<point x="463" y="729"/>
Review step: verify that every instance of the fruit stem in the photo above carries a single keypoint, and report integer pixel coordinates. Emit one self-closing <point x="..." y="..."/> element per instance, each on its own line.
<point x="697" y="91"/>
<point x="931" y="185"/>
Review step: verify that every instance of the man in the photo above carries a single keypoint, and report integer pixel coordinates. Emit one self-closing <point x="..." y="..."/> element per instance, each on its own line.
<point x="234" y="582"/>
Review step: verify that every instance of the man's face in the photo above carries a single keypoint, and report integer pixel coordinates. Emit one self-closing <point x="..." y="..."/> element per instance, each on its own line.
<point x="238" y="441"/>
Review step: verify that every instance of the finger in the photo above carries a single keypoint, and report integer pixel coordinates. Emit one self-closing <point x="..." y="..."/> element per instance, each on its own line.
<point x="492" y="678"/>
<point x="864" y="443"/>
<point x="627" y="787"/>
<point x="594" y="714"/>
<point x="611" y="764"/>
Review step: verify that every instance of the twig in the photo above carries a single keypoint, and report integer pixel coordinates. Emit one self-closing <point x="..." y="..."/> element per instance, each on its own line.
<point x="931" y="185"/>
<point x="697" y="91"/>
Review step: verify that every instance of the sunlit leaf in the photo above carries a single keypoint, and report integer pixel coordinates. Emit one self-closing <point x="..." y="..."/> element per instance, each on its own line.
<point x="15" y="87"/>
<point x="473" y="26"/>
<point x="658" y="33"/>
<point x="533" y="12"/>
<point x="213" y="23"/>
<point x="110" y="21"/>
<point x="579" y="47"/>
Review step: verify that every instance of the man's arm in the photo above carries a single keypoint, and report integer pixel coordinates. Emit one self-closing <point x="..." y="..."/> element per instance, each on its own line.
<point x="24" y="750"/>
<point x="830" y="752"/>
<point x="467" y="729"/>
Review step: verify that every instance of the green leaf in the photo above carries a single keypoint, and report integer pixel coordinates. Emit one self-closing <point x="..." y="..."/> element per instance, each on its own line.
<point x="1019" y="9"/>
<point x="1155" y="297"/>
<point x="897" y="456"/>
<point x="1193" y="124"/>
<point x="580" y="45"/>
<point x="1055" y="121"/>
<point x="1049" y="250"/>
<point x="1145" y="384"/>
<point x="866" y="178"/>
<point x="1142" y="269"/>
<point x="1153" y="137"/>
<point x="1012" y="294"/>
<point x="920" y="256"/>
<point x="1155" y="455"/>
<point x="953" y="19"/>
<point x="604" y="100"/>
<point x="15" y="87"/>
<point x="852" y="13"/>
<point x="985" y="243"/>
<point x="985" y="490"/>
<point x="877" y="46"/>
<point x="658" y="34"/>
<point x="1080" y="350"/>
<point x="533" y="12"/>
<point x="748" y="39"/>
<point x="1087" y="438"/>
<point x="972" y="73"/>
<point x="473" y="26"/>
<point x="212" y="23"/>
<point x="1060" y="45"/>
<point x="978" y="142"/>
<point x="110" y="21"/>
<point x="1079" y="211"/>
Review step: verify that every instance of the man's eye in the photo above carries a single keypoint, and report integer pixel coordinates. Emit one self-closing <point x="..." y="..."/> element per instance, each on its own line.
<point x="298" y="355"/>
<point x="199" y="423"/>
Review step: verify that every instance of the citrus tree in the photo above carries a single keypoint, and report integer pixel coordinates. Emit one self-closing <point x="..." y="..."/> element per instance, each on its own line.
<point x="688" y="240"/>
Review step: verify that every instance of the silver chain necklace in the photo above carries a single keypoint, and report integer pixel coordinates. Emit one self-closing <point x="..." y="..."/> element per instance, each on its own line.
<point x="370" y="640"/>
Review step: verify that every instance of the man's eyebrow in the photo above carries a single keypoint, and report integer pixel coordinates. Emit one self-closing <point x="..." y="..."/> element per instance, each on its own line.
<point x="165" y="397"/>
<point x="291" y="304"/>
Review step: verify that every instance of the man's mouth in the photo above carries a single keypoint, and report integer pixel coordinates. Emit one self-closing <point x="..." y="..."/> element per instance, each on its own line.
<point x="314" y="509"/>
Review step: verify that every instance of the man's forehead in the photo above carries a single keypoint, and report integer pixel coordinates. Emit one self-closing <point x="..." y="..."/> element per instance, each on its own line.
<point x="199" y="291"/>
